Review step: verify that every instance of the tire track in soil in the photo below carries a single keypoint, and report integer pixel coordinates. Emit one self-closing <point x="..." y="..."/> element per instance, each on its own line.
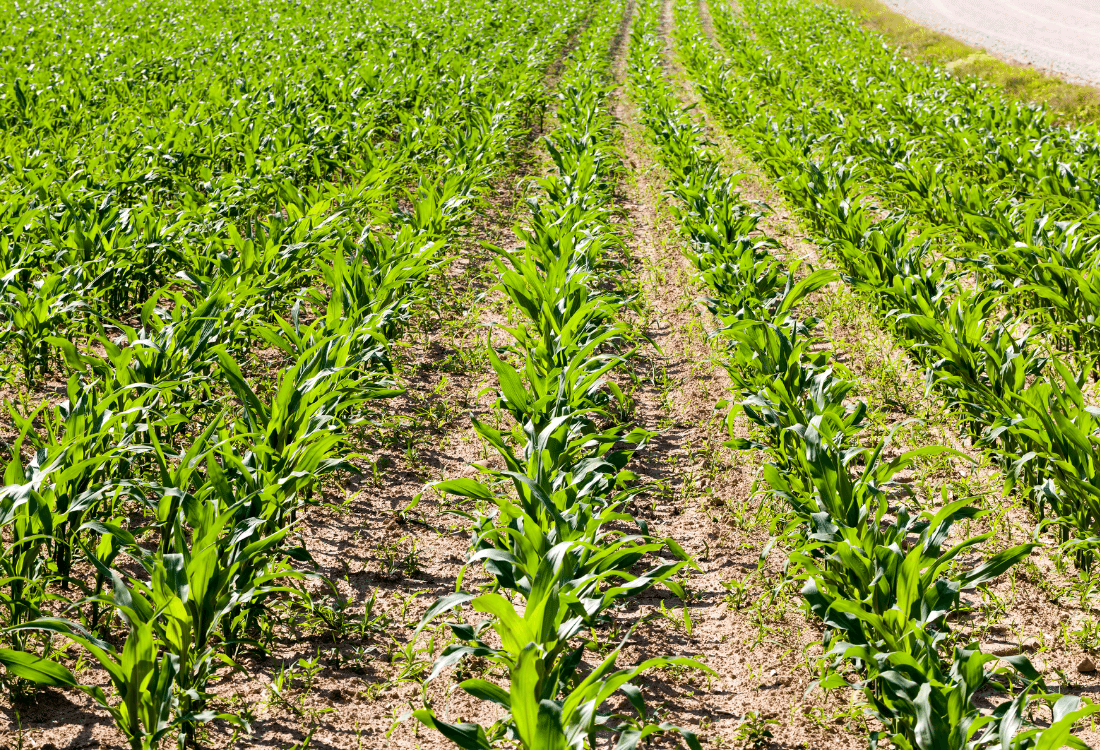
<point x="755" y="650"/>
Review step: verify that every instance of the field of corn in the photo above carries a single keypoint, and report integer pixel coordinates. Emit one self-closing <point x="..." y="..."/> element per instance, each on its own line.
<point x="499" y="375"/>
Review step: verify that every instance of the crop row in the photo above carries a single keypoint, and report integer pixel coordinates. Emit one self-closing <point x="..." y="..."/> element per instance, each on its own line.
<point x="97" y="219"/>
<point x="878" y="577"/>
<point x="149" y="516"/>
<point x="550" y="528"/>
<point x="1014" y="149"/>
<point x="1011" y="196"/>
<point x="1022" y="401"/>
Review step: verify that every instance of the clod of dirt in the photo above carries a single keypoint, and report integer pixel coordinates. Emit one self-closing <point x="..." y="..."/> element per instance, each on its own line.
<point x="1086" y="665"/>
<point x="1031" y="644"/>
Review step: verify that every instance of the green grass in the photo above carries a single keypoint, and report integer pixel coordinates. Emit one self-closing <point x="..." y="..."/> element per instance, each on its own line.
<point x="1079" y="104"/>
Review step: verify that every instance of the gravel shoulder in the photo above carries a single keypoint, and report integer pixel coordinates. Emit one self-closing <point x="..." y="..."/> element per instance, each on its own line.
<point x="1060" y="37"/>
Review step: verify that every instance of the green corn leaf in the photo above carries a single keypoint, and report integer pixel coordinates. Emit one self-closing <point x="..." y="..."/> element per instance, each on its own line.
<point x="463" y="487"/>
<point x="487" y="691"/>
<point x="995" y="566"/>
<point x="465" y="736"/>
<point x="514" y="632"/>
<point x="36" y="669"/>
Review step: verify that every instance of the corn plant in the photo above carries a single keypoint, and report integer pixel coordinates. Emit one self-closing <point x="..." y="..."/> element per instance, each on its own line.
<point x="548" y="544"/>
<point x="143" y="676"/>
<point x="32" y="314"/>
<point x="883" y="596"/>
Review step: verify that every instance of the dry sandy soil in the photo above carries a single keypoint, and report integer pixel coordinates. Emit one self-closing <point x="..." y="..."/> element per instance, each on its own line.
<point x="1056" y="36"/>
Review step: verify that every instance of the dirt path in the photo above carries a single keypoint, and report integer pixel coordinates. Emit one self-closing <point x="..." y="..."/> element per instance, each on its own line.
<point x="763" y="649"/>
<point x="1055" y="36"/>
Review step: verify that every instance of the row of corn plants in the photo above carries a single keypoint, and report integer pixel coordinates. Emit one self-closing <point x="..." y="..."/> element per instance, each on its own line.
<point x="987" y="134"/>
<point x="1023" y="402"/>
<point x="216" y="481"/>
<point x="1014" y="192"/>
<point x="549" y="527"/>
<point x="149" y="516"/>
<point x="1032" y="224"/>
<point x="881" y="579"/>
<point x="260" y="163"/>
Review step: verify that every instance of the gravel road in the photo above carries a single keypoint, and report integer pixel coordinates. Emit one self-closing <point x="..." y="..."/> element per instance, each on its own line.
<point x="1055" y="36"/>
